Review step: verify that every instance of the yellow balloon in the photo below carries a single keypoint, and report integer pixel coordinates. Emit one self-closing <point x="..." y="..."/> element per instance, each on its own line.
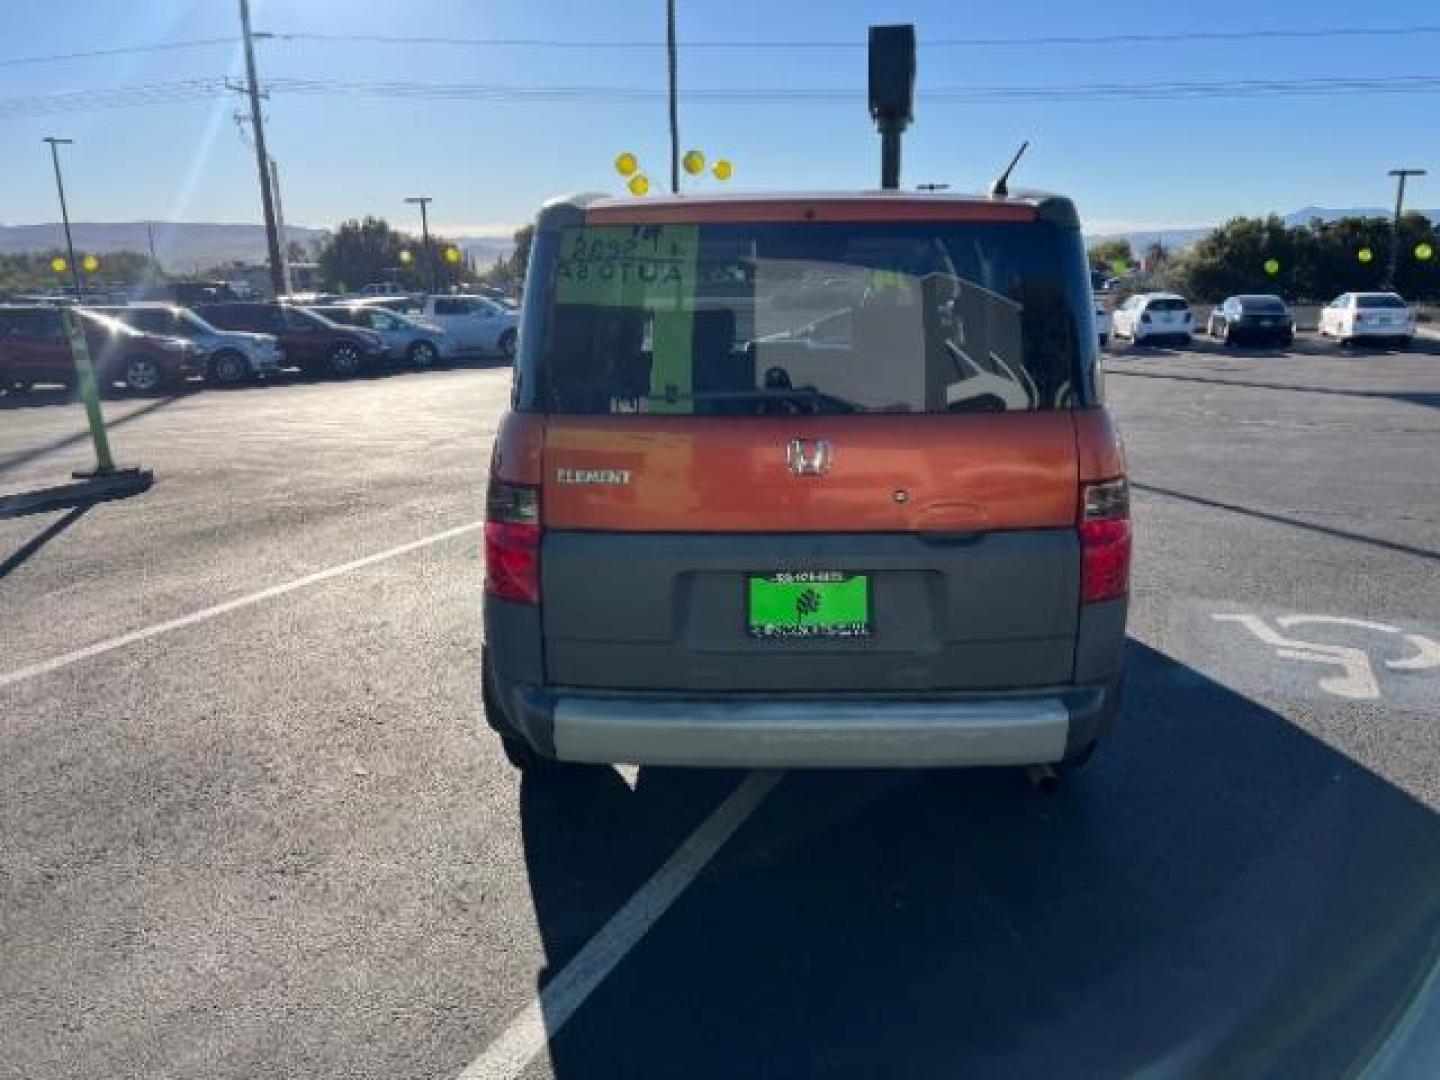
<point x="722" y="169"/>
<point x="90" y="264"/>
<point x="405" y="257"/>
<point x="639" y="184"/>
<point x="694" y="162"/>
<point x="626" y="164"/>
<point x="59" y="265"/>
<point x="1423" y="251"/>
<point x="1272" y="266"/>
<point x="452" y="255"/>
<point x="1365" y="255"/>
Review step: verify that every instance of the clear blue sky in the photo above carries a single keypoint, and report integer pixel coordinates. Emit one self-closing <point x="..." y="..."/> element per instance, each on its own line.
<point x="1127" y="164"/>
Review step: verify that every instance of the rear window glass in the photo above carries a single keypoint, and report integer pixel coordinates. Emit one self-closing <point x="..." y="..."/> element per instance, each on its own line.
<point x="805" y="318"/>
<point x="1167" y="303"/>
<point x="1262" y="304"/>
<point x="1379" y="300"/>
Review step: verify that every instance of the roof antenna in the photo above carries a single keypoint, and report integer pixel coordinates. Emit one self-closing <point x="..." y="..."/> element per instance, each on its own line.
<point x="1001" y="187"/>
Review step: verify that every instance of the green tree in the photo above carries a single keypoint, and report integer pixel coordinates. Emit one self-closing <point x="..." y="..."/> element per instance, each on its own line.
<point x="1106" y="254"/>
<point x="359" y="252"/>
<point x="520" y="257"/>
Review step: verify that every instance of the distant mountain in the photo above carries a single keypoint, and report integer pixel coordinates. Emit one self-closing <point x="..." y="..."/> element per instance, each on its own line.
<point x="190" y="245"/>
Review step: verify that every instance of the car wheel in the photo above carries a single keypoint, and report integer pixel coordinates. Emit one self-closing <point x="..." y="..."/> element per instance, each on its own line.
<point x="507" y="345"/>
<point x="424" y="354"/>
<point x="344" y="360"/>
<point x="229" y="368"/>
<point x="1229" y="338"/>
<point x="1286" y="340"/>
<point x="143" y="375"/>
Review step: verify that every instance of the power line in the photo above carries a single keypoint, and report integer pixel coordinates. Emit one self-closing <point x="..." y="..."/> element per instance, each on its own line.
<point x="932" y="43"/>
<point x="125" y="50"/>
<point x="202" y="89"/>
<point x="561" y="43"/>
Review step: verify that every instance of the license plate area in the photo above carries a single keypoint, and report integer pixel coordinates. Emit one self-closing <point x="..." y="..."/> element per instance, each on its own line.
<point x="808" y="604"/>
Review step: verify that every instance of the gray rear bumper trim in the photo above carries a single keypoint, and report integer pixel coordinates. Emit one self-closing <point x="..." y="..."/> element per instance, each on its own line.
<point x="820" y="734"/>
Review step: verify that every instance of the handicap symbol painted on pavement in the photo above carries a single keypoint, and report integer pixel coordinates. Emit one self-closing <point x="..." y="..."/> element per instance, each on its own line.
<point x="1356" y="679"/>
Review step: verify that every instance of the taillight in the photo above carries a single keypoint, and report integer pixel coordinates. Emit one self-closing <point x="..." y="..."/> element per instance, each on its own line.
<point x="512" y="542"/>
<point x="1104" y="541"/>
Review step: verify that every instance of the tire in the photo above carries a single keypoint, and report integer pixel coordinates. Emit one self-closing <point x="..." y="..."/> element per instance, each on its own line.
<point x="1287" y="340"/>
<point x="229" y="368"/>
<point x="423" y="354"/>
<point x="344" y="361"/>
<point x="142" y="375"/>
<point x="1229" y="338"/>
<point x="507" y="345"/>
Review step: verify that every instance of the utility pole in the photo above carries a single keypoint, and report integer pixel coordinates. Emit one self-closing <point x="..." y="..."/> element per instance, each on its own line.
<point x="262" y="157"/>
<point x="280" y="227"/>
<point x="674" y="103"/>
<point x="1400" y="175"/>
<point x="64" y="211"/>
<point x="424" y="201"/>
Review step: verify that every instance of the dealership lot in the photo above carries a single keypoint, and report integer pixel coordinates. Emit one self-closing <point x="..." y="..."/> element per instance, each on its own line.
<point x="252" y="824"/>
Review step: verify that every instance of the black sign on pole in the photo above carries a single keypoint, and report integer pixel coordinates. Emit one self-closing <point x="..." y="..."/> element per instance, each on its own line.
<point x="892" y="93"/>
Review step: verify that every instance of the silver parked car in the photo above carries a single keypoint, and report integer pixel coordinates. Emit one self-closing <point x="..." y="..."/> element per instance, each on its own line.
<point x="406" y="337"/>
<point x="234" y="355"/>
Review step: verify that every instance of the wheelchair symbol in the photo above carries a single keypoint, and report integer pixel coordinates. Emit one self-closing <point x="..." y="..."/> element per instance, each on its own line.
<point x="1357" y="682"/>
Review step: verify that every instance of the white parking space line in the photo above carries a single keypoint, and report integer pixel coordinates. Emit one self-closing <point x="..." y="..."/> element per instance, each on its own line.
<point x="110" y="644"/>
<point x="527" y="1034"/>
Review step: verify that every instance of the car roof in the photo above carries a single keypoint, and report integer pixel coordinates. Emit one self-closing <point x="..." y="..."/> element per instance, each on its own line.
<point x="856" y="205"/>
<point x="1396" y="295"/>
<point x="1256" y="296"/>
<point x="1162" y="296"/>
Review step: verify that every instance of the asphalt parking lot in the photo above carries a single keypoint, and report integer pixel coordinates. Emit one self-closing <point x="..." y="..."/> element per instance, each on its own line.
<point x="251" y="826"/>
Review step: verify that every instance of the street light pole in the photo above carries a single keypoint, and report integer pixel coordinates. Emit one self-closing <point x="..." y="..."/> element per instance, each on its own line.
<point x="674" y="104"/>
<point x="64" y="211"/>
<point x="1400" y="175"/>
<point x="425" y="201"/>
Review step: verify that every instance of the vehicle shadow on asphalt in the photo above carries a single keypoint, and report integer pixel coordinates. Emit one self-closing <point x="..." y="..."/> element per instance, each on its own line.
<point x="1219" y="893"/>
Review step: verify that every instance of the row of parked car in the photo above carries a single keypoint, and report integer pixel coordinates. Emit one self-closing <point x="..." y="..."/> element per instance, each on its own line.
<point x="1259" y="319"/>
<point x="146" y="346"/>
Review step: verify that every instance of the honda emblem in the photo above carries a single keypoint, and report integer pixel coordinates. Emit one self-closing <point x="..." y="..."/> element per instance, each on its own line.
<point x="809" y="457"/>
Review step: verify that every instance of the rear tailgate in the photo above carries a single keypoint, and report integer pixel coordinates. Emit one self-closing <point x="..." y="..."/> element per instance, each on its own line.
<point x="962" y="526"/>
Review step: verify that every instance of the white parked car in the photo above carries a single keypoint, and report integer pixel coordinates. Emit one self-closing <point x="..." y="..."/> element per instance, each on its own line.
<point x="475" y="322"/>
<point x="1153" y="317"/>
<point x="406" y="337"/>
<point x="1352" y="316"/>
<point x="234" y="355"/>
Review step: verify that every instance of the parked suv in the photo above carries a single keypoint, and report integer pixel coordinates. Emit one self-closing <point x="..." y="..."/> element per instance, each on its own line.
<point x="307" y="340"/>
<point x="35" y="349"/>
<point x="234" y="355"/>
<point x="725" y="529"/>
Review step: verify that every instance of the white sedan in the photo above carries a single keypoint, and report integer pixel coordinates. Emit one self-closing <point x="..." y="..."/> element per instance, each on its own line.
<point x="1352" y="316"/>
<point x="1149" y="316"/>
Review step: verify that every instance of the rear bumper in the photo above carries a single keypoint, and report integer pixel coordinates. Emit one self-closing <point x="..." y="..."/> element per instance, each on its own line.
<point x="849" y="731"/>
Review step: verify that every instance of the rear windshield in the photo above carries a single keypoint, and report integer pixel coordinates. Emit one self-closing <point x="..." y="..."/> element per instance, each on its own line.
<point x="1168" y="303"/>
<point x="1379" y="300"/>
<point x="805" y="318"/>
<point x="1269" y="304"/>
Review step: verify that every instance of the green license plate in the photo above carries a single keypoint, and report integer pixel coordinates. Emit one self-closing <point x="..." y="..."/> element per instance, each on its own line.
<point x="808" y="604"/>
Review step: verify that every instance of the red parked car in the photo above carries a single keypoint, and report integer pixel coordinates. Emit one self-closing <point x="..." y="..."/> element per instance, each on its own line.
<point x="309" y="341"/>
<point x="35" y="349"/>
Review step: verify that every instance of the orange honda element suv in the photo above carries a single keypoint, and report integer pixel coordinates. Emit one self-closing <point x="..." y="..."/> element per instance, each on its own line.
<point x="806" y="480"/>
